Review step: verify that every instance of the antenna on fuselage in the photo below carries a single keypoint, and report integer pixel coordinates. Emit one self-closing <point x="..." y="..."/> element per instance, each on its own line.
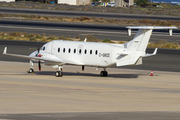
<point x="85" y="39"/>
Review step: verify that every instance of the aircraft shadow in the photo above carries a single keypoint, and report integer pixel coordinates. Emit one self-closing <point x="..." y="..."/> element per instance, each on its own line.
<point x="87" y="74"/>
<point x="147" y="115"/>
<point x="123" y="75"/>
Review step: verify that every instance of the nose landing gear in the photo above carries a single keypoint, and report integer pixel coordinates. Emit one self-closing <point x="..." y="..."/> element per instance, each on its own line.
<point x="31" y="70"/>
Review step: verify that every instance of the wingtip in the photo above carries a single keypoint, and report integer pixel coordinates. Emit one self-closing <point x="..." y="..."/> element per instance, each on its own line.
<point x="5" y="50"/>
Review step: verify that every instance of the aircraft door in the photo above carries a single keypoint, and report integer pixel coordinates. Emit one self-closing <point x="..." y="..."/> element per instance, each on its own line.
<point x="80" y="49"/>
<point x="50" y="47"/>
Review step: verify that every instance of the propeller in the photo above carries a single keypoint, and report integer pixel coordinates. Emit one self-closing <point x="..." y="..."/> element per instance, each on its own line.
<point x="39" y="62"/>
<point x="38" y="47"/>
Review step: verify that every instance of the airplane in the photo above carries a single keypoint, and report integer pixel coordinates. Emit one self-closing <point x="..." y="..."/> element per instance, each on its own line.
<point x="57" y="53"/>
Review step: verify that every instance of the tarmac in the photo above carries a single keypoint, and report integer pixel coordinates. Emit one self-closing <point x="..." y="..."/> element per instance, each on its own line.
<point x="125" y="94"/>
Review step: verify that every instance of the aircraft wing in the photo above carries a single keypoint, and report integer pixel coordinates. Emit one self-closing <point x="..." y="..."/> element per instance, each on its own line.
<point x="56" y="60"/>
<point x="53" y="59"/>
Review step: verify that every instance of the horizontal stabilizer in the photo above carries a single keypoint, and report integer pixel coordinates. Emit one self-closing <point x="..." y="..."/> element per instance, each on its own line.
<point x="154" y="53"/>
<point x="149" y="27"/>
<point x="132" y="61"/>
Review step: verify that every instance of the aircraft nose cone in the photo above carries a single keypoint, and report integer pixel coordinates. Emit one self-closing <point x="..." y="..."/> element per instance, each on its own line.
<point x="39" y="55"/>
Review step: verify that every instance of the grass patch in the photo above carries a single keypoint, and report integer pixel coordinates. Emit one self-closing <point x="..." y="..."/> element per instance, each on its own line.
<point x="164" y="44"/>
<point x="94" y="20"/>
<point x="90" y="38"/>
<point x="43" y="37"/>
<point x="107" y="41"/>
<point x="30" y="36"/>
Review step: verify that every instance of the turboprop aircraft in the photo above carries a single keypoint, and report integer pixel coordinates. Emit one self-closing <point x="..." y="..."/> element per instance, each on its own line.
<point x="101" y="55"/>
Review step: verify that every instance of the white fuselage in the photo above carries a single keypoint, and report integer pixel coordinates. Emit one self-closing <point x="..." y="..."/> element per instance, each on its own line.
<point x="83" y="53"/>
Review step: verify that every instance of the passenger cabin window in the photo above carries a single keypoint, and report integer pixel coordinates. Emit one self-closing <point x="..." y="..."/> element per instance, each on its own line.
<point x="58" y="49"/>
<point x="96" y="52"/>
<point x="64" y="50"/>
<point x="43" y="48"/>
<point x="74" y="50"/>
<point x="79" y="51"/>
<point x="90" y="51"/>
<point x="69" y="50"/>
<point x="85" y="51"/>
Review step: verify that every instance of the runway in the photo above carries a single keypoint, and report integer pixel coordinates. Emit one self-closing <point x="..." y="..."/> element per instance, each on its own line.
<point x="45" y="12"/>
<point x="112" y="32"/>
<point x="125" y="94"/>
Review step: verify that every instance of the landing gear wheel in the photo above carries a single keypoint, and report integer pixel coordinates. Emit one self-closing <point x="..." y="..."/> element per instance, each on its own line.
<point x="59" y="74"/>
<point x="103" y="73"/>
<point x="31" y="70"/>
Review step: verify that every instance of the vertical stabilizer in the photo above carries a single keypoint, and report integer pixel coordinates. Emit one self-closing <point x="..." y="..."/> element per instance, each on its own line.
<point x="141" y="39"/>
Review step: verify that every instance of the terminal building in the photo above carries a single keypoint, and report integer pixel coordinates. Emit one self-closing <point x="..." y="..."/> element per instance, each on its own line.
<point x="123" y="3"/>
<point x="69" y="2"/>
<point x="74" y="2"/>
<point x="7" y="0"/>
<point x="118" y="3"/>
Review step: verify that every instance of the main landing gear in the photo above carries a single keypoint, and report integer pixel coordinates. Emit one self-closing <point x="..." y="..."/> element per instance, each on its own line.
<point x="104" y="73"/>
<point x="60" y="72"/>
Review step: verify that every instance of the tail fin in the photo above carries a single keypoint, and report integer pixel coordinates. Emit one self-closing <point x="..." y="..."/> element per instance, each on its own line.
<point x="141" y="39"/>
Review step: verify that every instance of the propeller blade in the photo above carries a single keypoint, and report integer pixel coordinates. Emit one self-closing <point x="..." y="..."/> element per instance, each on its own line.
<point x="39" y="64"/>
<point x="38" y="47"/>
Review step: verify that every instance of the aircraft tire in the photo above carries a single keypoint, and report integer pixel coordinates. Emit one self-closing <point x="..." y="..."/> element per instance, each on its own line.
<point x="31" y="70"/>
<point x="103" y="73"/>
<point x="59" y="74"/>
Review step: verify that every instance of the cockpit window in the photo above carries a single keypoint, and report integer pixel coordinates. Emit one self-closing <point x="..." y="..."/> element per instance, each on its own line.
<point x="43" y="48"/>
